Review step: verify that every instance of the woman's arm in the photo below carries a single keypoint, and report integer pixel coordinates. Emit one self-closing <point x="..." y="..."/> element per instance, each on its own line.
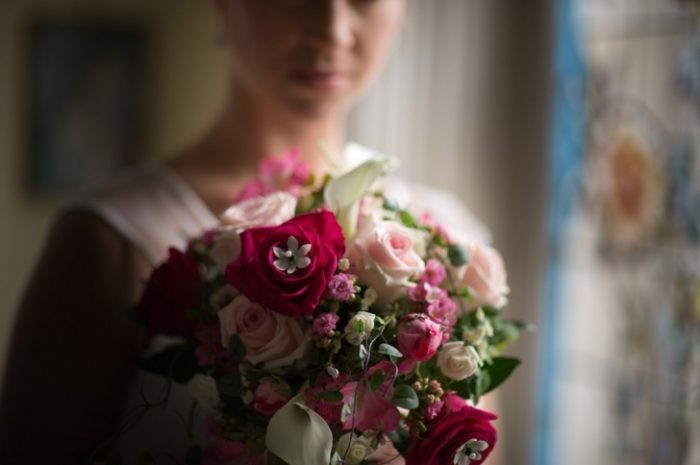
<point x="73" y="349"/>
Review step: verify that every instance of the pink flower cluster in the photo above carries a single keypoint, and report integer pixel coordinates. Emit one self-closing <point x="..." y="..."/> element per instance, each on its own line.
<point x="436" y="301"/>
<point x="287" y="173"/>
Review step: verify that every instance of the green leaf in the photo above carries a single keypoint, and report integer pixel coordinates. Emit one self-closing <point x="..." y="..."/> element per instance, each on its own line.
<point x="479" y="385"/>
<point x="236" y="348"/>
<point x="194" y="455"/>
<point x="390" y="205"/>
<point x="407" y="219"/>
<point x="331" y="396"/>
<point x="405" y="396"/>
<point x="376" y="379"/>
<point x="499" y="371"/>
<point x="457" y="254"/>
<point x="391" y="351"/>
<point x="230" y="385"/>
<point x="401" y="437"/>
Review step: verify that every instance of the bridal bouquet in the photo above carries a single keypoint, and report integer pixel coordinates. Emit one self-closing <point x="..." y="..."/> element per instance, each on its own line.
<point x="319" y="323"/>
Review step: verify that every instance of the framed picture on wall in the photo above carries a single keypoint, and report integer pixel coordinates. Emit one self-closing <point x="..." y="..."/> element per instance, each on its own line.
<point x="86" y="91"/>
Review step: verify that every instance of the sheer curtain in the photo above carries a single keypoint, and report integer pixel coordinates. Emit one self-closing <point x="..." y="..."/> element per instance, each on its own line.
<point x="423" y="107"/>
<point x="464" y="104"/>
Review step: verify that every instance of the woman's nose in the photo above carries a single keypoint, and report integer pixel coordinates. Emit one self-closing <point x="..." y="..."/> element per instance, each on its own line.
<point x="331" y="23"/>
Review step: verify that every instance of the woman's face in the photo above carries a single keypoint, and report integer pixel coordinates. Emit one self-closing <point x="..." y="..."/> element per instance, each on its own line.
<point x="308" y="55"/>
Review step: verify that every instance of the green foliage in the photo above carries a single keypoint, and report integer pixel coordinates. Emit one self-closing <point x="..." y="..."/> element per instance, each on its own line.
<point x="457" y="254"/>
<point x="499" y="370"/>
<point x="389" y="350"/>
<point x="236" y="348"/>
<point x="390" y="205"/>
<point x="376" y="379"/>
<point x="401" y="437"/>
<point x="405" y="396"/>
<point x="230" y="385"/>
<point x="408" y="220"/>
<point x="331" y="396"/>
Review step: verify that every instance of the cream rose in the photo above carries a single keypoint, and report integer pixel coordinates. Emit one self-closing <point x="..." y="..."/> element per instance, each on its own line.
<point x="485" y="276"/>
<point x="269" y="337"/>
<point x="458" y="361"/>
<point x="384" y="257"/>
<point x="203" y="389"/>
<point x="265" y="210"/>
<point x="359" y="327"/>
<point x="353" y="449"/>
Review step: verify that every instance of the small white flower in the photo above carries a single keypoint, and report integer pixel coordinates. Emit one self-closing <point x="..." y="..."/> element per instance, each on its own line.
<point x="458" y="361"/>
<point x="343" y="264"/>
<point x="203" y="389"/>
<point x="332" y="371"/>
<point x="353" y="449"/>
<point x="359" y="327"/>
<point x="293" y="258"/>
<point x="470" y="450"/>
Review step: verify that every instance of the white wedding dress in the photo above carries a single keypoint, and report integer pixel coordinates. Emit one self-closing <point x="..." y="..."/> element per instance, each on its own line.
<point x="154" y="209"/>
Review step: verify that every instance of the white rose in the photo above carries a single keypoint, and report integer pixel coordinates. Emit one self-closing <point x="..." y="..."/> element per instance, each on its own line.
<point x="485" y="276"/>
<point x="385" y="258"/>
<point x="265" y="210"/>
<point x="359" y="327"/>
<point x="226" y="248"/>
<point x="353" y="449"/>
<point x="458" y="361"/>
<point x="203" y="389"/>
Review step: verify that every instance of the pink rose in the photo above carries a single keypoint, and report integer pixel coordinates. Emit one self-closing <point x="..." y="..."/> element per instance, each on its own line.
<point x="458" y="432"/>
<point x="330" y="410"/>
<point x="270" y="395"/>
<point x="267" y="210"/>
<point x="269" y="337"/>
<point x="419" y="337"/>
<point x="223" y="451"/>
<point x="384" y="257"/>
<point x="287" y="268"/>
<point x="485" y="276"/>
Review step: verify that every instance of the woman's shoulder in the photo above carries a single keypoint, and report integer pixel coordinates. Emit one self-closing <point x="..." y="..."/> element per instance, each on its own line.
<point x="149" y="205"/>
<point x="439" y="205"/>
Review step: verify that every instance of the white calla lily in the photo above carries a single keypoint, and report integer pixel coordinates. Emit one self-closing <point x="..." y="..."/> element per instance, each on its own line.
<point x="299" y="436"/>
<point x="342" y="194"/>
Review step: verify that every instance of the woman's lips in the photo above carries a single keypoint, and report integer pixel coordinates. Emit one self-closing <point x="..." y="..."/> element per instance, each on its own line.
<point x="320" y="79"/>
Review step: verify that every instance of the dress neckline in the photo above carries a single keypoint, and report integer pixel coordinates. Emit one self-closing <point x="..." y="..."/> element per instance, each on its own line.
<point x="188" y="195"/>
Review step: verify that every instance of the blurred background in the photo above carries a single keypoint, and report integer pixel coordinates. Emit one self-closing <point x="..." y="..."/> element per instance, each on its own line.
<point x="569" y="127"/>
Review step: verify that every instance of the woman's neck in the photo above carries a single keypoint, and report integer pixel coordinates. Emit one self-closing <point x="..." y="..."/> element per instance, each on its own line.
<point x="251" y="129"/>
<point x="219" y="165"/>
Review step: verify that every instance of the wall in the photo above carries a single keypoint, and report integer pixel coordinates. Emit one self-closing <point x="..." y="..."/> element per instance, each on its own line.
<point x="179" y="106"/>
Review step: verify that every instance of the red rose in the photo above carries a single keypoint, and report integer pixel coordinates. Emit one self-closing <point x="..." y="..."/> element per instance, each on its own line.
<point x="286" y="268"/>
<point x="461" y="434"/>
<point x="172" y="289"/>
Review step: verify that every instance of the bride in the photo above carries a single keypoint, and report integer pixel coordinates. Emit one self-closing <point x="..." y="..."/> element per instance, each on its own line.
<point x="296" y="66"/>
